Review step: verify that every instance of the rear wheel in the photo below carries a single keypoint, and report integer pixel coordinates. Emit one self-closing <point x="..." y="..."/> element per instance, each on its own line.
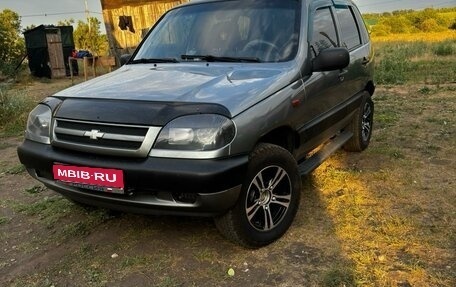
<point x="268" y="201"/>
<point x="361" y="126"/>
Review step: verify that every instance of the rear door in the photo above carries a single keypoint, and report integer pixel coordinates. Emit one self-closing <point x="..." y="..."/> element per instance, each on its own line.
<point x="354" y="37"/>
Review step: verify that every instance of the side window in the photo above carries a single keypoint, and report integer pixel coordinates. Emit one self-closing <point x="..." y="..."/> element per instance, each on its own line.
<point x="361" y="25"/>
<point x="349" y="31"/>
<point x="324" y="31"/>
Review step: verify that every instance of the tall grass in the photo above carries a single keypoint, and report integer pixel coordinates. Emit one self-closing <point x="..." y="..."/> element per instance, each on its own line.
<point x="446" y="48"/>
<point x="415" y="62"/>
<point x="14" y="108"/>
<point x="391" y="70"/>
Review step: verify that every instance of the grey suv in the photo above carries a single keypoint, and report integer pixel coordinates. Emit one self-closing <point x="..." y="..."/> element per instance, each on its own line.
<point x="220" y="110"/>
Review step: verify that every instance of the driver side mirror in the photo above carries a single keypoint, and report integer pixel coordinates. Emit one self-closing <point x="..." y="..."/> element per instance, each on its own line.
<point x="331" y="59"/>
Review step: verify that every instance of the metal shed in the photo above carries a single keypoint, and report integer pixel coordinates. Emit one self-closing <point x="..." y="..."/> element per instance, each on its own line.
<point x="127" y="21"/>
<point x="48" y="48"/>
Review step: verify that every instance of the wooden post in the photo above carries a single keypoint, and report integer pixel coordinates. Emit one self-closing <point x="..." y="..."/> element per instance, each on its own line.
<point x="84" y="62"/>
<point x="70" y="64"/>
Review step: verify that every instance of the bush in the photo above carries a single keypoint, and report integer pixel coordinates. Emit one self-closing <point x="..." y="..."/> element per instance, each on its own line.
<point x="392" y="63"/>
<point x="391" y="70"/>
<point x="14" y="109"/>
<point x="7" y="68"/>
<point x="453" y="26"/>
<point x="414" y="62"/>
<point x="446" y="48"/>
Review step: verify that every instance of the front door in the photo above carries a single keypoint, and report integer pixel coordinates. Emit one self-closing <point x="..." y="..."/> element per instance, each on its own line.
<point x="322" y="89"/>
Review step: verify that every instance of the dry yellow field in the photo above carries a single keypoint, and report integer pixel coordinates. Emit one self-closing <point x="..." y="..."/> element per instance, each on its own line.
<point x="416" y="37"/>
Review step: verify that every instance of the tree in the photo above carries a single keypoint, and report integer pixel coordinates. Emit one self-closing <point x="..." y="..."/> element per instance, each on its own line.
<point x="29" y="27"/>
<point x="12" y="47"/>
<point x="398" y="24"/>
<point x="88" y="37"/>
<point x="453" y="26"/>
<point x="428" y="20"/>
<point x="410" y="21"/>
<point x="381" y="30"/>
<point x="66" y="22"/>
<point x="430" y="25"/>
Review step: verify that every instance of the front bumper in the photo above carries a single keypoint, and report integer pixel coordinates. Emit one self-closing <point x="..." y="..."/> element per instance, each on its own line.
<point x="152" y="185"/>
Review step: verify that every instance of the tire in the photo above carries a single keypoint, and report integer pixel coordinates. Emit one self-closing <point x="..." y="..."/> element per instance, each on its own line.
<point x="361" y="126"/>
<point x="268" y="201"/>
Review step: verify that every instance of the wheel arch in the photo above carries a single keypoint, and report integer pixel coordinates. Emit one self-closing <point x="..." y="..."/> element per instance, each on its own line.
<point x="370" y="87"/>
<point x="283" y="136"/>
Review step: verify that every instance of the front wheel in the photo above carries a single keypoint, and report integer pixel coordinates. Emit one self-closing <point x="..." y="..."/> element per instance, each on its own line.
<point x="268" y="201"/>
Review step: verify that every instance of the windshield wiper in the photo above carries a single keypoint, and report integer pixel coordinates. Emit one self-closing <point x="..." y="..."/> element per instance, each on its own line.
<point x="154" y="60"/>
<point x="211" y="58"/>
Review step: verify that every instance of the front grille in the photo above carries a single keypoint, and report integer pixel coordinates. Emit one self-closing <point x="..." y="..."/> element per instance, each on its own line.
<point x="100" y="142"/>
<point x="104" y="138"/>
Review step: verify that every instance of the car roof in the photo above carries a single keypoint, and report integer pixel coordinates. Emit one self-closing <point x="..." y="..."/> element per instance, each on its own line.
<point x="334" y="2"/>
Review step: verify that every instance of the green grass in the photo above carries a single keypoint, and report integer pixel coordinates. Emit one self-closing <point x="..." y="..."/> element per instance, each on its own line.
<point x="17" y="169"/>
<point x="392" y="70"/>
<point x="51" y="209"/>
<point x="135" y="261"/>
<point x="386" y="117"/>
<point x="35" y="189"/>
<point x="47" y="209"/>
<point x="4" y="220"/>
<point x="445" y="48"/>
<point x="4" y="145"/>
<point x="14" y="108"/>
<point x="205" y="254"/>
<point x="415" y="62"/>
<point x="338" y="277"/>
<point x="168" y="282"/>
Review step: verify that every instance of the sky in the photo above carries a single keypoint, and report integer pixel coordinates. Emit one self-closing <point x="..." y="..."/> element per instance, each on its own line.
<point x="39" y="12"/>
<point x="378" y="6"/>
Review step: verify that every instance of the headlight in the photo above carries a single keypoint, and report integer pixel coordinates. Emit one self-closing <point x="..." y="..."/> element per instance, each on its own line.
<point x="39" y="124"/>
<point x="196" y="133"/>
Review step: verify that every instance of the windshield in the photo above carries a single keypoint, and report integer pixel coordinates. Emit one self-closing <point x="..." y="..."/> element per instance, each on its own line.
<point x="244" y="31"/>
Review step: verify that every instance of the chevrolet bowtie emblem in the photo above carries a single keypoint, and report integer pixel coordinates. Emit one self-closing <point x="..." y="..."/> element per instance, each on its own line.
<point x="94" y="134"/>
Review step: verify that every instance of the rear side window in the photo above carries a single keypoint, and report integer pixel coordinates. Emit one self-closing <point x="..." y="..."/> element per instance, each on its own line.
<point x="361" y="25"/>
<point x="324" y="31"/>
<point x="349" y="30"/>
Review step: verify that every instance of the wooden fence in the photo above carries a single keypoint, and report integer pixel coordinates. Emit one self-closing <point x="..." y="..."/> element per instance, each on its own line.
<point x="143" y="15"/>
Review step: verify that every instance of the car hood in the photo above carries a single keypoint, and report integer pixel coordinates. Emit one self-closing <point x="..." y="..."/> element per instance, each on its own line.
<point x="237" y="87"/>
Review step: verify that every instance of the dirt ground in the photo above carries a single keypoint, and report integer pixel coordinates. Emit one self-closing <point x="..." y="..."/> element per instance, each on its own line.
<point x="384" y="217"/>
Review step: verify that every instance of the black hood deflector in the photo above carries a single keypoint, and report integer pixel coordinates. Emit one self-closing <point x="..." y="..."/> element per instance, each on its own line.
<point x="132" y="112"/>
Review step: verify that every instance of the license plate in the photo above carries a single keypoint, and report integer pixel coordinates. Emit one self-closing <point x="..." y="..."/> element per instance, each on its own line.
<point x="109" y="180"/>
